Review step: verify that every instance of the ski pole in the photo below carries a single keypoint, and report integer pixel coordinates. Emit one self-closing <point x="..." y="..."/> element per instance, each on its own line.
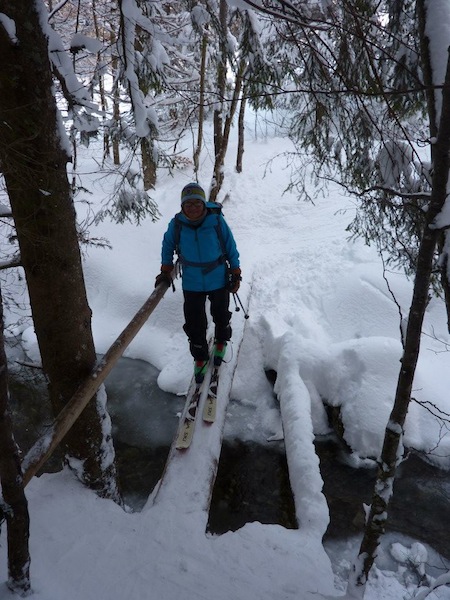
<point x="237" y="309"/>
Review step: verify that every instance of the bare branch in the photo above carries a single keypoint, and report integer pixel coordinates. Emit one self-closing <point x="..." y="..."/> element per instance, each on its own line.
<point x="393" y="192"/>
<point x="433" y="409"/>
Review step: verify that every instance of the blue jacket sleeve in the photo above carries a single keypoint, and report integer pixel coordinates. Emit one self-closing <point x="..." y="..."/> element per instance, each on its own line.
<point x="230" y="244"/>
<point x="168" y="244"/>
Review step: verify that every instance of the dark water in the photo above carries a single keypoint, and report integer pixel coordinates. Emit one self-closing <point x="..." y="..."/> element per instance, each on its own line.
<point x="252" y="481"/>
<point x="420" y="506"/>
<point x="31" y="413"/>
<point x="252" y="484"/>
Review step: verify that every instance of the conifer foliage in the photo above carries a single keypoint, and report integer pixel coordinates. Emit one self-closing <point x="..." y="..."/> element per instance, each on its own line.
<point x="361" y="92"/>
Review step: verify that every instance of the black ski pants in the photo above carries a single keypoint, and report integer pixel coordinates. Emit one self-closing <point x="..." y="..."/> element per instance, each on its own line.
<point x="196" y="321"/>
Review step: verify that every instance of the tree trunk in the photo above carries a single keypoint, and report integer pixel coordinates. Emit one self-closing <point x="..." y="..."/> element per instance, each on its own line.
<point x="16" y="506"/>
<point x="219" y="105"/>
<point x="116" y="100"/>
<point x="427" y="69"/>
<point x="241" y="134"/>
<point x="390" y="458"/>
<point x="433" y="126"/>
<point x="220" y="156"/>
<point x="148" y="164"/>
<point x="201" y="110"/>
<point x="445" y="270"/>
<point x="101" y="85"/>
<point x="34" y="166"/>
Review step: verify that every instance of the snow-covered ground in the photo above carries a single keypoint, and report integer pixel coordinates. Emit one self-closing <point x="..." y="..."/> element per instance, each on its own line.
<point x="322" y="316"/>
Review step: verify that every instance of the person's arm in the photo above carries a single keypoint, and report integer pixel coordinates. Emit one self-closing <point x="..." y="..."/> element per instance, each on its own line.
<point x="230" y="245"/>
<point x="168" y="246"/>
<point x="234" y="274"/>
<point x="167" y="251"/>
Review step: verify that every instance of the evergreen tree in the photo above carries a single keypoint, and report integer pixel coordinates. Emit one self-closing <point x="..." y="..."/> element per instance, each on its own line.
<point x="33" y="157"/>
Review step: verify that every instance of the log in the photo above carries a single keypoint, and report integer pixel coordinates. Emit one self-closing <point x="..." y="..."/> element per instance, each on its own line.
<point x="45" y="445"/>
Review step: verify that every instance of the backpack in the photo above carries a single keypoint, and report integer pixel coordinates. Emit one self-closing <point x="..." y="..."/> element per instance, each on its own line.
<point x="206" y="267"/>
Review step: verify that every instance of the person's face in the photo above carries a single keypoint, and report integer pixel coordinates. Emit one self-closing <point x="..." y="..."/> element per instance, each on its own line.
<point x="193" y="209"/>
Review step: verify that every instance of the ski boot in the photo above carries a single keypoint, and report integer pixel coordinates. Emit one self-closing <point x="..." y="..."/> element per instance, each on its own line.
<point x="219" y="352"/>
<point x="200" y="368"/>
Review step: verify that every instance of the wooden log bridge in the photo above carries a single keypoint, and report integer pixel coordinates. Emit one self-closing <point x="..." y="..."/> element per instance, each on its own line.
<point x="45" y="445"/>
<point x="187" y="482"/>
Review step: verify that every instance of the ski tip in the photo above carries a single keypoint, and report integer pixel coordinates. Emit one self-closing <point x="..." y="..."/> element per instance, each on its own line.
<point x="183" y="442"/>
<point x="209" y="410"/>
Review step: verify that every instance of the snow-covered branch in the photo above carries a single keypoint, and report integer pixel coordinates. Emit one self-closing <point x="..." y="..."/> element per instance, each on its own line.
<point x="12" y="262"/>
<point x="286" y="11"/>
<point x="81" y="107"/>
<point x="394" y="192"/>
<point x="5" y="211"/>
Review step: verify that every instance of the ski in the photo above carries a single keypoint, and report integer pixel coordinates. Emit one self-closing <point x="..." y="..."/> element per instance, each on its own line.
<point x="186" y="430"/>
<point x="209" y="409"/>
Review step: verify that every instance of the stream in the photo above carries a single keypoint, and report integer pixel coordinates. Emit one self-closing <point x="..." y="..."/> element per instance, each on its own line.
<point x="252" y="481"/>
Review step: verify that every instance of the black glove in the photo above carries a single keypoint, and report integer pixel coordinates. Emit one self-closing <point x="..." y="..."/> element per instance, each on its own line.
<point x="165" y="275"/>
<point x="233" y="280"/>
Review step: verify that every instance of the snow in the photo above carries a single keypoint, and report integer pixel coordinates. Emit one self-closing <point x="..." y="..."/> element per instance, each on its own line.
<point x="322" y="316"/>
<point x="200" y="16"/>
<point x="83" y="41"/>
<point x="9" y="26"/>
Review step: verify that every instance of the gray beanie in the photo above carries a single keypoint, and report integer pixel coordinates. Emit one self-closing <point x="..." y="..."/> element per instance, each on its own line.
<point x="193" y="191"/>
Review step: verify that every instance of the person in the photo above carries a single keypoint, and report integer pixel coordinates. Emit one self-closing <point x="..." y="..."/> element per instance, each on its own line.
<point x="210" y="269"/>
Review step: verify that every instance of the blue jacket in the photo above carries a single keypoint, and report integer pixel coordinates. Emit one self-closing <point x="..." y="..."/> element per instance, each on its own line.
<point x="203" y="266"/>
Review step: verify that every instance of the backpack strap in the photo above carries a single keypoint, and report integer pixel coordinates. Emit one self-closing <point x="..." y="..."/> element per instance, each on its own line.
<point x="177" y="233"/>
<point x="208" y="266"/>
<point x="219" y="232"/>
<point x="217" y="210"/>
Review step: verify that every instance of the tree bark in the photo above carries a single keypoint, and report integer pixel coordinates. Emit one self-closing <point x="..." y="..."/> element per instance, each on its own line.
<point x="116" y="99"/>
<point x="219" y="107"/>
<point x="241" y="134"/>
<point x="148" y="164"/>
<point x="390" y="458"/>
<point x="34" y="159"/>
<point x="444" y="271"/>
<point x="433" y="126"/>
<point x="16" y="506"/>
<point x="101" y="84"/>
<point x="201" y="110"/>
<point x="225" y="135"/>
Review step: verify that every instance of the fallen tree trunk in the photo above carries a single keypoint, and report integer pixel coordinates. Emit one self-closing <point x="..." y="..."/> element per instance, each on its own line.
<point x="45" y="446"/>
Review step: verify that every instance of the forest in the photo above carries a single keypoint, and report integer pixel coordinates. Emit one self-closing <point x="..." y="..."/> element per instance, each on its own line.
<point x="363" y="87"/>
